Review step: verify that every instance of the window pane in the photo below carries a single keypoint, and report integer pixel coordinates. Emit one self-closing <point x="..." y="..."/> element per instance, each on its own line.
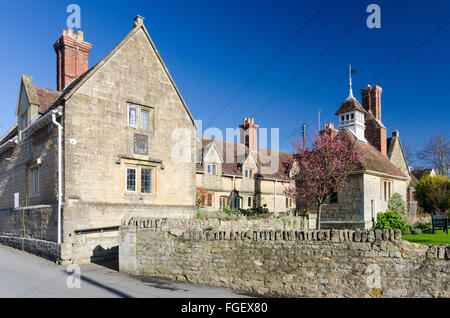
<point x="145" y="119"/>
<point x="131" y="179"/>
<point x="389" y="192"/>
<point x="214" y="169"/>
<point x="132" y="116"/>
<point x="209" y="199"/>
<point x="35" y="180"/>
<point x="146" y="180"/>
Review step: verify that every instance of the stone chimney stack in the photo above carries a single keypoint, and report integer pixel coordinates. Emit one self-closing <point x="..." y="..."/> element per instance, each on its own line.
<point x="249" y="134"/>
<point x="72" y="55"/>
<point x="371" y="100"/>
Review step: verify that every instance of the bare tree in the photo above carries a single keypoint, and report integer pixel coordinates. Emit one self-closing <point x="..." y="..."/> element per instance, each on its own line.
<point x="411" y="156"/>
<point x="437" y="153"/>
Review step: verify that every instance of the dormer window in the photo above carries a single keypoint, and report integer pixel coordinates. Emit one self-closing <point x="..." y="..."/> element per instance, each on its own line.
<point x="342" y="118"/>
<point x="211" y="169"/>
<point x="347" y="117"/>
<point x="248" y="173"/>
<point x="352" y="116"/>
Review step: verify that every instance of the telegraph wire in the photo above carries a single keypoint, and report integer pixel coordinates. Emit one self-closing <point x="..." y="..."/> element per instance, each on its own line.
<point x="401" y="58"/>
<point x="303" y="71"/>
<point x="412" y="50"/>
<point x="262" y="69"/>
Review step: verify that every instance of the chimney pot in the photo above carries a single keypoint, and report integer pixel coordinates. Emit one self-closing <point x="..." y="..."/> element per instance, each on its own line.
<point x="72" y="54"/>
<point x="79" y="35"/>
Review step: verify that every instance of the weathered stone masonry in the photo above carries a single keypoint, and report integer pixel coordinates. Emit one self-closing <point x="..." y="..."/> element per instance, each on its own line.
<point x="326" y="263"/>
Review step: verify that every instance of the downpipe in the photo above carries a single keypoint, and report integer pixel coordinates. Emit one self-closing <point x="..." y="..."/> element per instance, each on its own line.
<point x="59" y="173"/>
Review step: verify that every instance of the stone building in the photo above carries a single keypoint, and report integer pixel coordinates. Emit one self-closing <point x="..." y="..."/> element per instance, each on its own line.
<point x="98" y="148"/>
<point x="383" y="172"/>
<point x="242" y="175"/>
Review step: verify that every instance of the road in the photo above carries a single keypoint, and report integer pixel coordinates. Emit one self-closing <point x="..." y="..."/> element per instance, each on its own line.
<point x="26" y="275"/>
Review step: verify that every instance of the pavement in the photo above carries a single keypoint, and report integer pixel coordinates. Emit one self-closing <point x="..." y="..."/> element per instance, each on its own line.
<point x="26" y="275"/>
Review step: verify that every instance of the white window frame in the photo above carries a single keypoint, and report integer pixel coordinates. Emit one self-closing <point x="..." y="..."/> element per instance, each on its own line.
<point x="151" y="179"/>
<point x="213" y="170"/>
<point x="135" y="181"/>
<point x="136" y="108"/>
<point x="238" y="200"/>
<point x="223" y="202"/>
<point x="148" y="119"/>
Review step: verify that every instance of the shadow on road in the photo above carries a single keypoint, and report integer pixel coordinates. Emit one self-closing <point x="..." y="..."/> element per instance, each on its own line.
<point x="102" y="286"/>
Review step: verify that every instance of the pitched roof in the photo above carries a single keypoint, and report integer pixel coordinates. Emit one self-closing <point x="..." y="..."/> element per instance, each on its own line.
<point x="413" y="181"/>
<point x="419" y="173"/>
<point x="350" y="104"/>
<point x="77" y="83"/>
<point x="46" y="98"/>
<point x="230" y="166"/>
<point x="9" y="134"/>
<point x="373" y="160"/>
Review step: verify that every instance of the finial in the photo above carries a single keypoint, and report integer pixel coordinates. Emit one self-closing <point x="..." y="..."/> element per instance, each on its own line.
<point x="138" y="20"/>
<point x="350" y="95"/>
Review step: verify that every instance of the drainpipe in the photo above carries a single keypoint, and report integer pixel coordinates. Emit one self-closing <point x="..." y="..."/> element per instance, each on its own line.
<point x="275" y="197"/>
<point x="59" y="173"/>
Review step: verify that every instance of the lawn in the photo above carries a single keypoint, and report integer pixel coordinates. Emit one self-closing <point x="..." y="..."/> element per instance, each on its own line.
<point x="438" y="238"/>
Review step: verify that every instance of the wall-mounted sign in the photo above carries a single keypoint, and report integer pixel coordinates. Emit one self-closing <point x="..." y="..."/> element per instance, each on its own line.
<point x="16" y="200"/>
<point x="140" y="144"/>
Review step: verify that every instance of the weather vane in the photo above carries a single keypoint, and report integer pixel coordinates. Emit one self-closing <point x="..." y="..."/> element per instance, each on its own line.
<point x="350" y="72"/>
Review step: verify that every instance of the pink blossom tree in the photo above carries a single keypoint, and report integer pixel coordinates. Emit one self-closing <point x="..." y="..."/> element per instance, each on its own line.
<point x="322" y="171"/>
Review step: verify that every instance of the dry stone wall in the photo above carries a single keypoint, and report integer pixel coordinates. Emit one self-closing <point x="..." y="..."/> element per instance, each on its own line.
<point x="292" y="263"/>
<point x="33" y="229"/>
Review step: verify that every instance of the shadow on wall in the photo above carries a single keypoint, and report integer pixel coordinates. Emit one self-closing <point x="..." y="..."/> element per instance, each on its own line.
<point x="108" y="258"/>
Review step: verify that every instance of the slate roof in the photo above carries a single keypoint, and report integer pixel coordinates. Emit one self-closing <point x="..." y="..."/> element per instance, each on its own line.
<point x="413" y="181"/>
<point x="230" y="166"/>
<point x="46" y="98"/>
<point x="373" y="160"/>
<point x="10" y="134"/>
<point x="350" y="104"/>
<point x="419" y="173"/>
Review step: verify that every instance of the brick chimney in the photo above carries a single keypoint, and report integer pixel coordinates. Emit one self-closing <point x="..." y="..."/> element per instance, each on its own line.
<point x="330" y="130"/>
<point x="375" y="132"/>
<point x="371" y="100"/>
<point x="72" y="55"/>
<point x="249" y="134"/>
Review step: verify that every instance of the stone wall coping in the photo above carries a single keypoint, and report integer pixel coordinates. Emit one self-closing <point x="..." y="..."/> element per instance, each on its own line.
<point x="333" y="235"/>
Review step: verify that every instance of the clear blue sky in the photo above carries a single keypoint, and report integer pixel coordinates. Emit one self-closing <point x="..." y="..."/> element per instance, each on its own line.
<point x="212" y="48"/>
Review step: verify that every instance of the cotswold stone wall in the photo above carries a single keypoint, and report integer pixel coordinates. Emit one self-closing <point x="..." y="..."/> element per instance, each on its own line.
<point x="294" y="263"/>
<point x="33" y="229"/>
<point x="37" y="222"/>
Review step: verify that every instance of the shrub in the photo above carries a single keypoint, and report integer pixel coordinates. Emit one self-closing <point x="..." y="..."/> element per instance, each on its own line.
<point x="433" y="194"/>
<point x="391" y="221"/>
<point x="397" y="205"/>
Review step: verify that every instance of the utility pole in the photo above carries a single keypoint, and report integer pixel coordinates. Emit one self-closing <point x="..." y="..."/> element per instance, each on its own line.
<point x="304" y="135"/>
<point x="318" y="115"/>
